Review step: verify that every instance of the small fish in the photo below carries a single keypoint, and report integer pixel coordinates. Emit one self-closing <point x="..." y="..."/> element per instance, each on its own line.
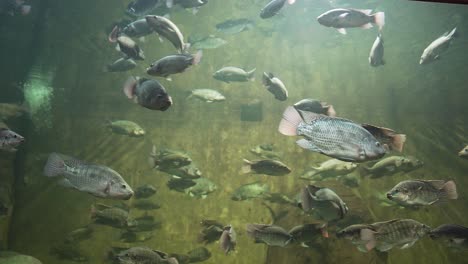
<point x="188" y="172"/>
<point x="335" y="137"/>
<point x="454" y="236"/>
<point x="112" y="216"/>
<point x="322" y="202"/>
<point x="388" y="137"/>
<point x="228" y="239"/>
<point x="143" y="255"/>
<point x="423" y="192"/>
<point x="180" y="185"/>
<point x="147" y="93"/>
<point x="463" y="153"/>
<point x="199" y="254"/>
<point x="129" y="48"/>
<point x="391" y="165"/>
<point x="202" y="188"/>
<point x="137" y="29"/>
<point x="210" y="42"/>
<point x="234" y="74"/>
<point x="168" y="160"/>
<point x="269" y="234"/>
<point x="250" y="191"/>
<point x="125" y="127"/>
<point x="9" y="111"/>
<point x="208" y="95"/>
<point x="234" y="26"/>
<point x="268" y="167"/>
<point x="329" y="168"/>
<point x="437" y="47"/>
<point x="145" y="204"/>
<point x="145" y="191"/>
<point x="173" y="64"/>
<point x="64" y="251"/>
<point x="211" y="232"/>
<point x="315" y="106"/>
<point x="79" y="234"/>
<point x="377" y="52"/>
<point x="167" y="29"/>
<point x="132" y="237"/>
<point x="273" y="7"/>
<point x="121" y="65"/>
<point x="140" y="8"/>
<point x="13" y="7"/>
<point x="275" y="86"/>
<point x="9" y="140"/>
<point x="308" y="233"/>
<point x="98" y="180"/>
<point x="278" y="198"/>
<point x="144" y="223"/>
<point x="342" y="18"/>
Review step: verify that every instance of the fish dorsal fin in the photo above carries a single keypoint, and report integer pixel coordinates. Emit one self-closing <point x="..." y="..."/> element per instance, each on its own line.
<point x="438" y="184"/>
<point x="377" y="225"/>
<point x="310" y="117"/>
<point x="365" y="11"/>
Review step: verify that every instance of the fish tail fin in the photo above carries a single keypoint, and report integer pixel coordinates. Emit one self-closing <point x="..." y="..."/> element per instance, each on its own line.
<point x="251" y="230"/>
<point x="55" y="165"/>
<point x="331" y="111"/>
<point x="251" y="73"/>
<point x="291" y="2"/>
<point x="454" y="33"/>
<point x="369" y="236"/>
<point x="450" y="189"/>
<point x="379" y="19"/>
<point x="92" y="212"/>
<point x="114" y="34"/>
<point x="172" y="261"/>
<point x="185" y="47"/>
<point x="290" y="122"/>
<point x="129" y="87"/>
<point x="246" y="167"/>
<point x="306" y="203"/>
<point x="398" y="141"/>
<point x="324" y="231"/>
<point x="197" y="57"/>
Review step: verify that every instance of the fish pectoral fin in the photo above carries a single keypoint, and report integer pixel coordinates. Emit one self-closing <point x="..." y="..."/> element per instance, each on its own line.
<point x="342" y="31"/>
<point x="343" y="15"/>
<point x="304" y="143"/>
<point x="458" y="240"/>
<point x="303" y="244"/>
<point x="66" y="183"/>
<point x="384" y="247"/>
<point x="407" y="245"/>
<point x="107" y="188"/>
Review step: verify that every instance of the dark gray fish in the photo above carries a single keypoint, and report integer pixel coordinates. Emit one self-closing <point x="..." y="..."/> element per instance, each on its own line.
<point x="144" y="223"/>
<point x="273" y="7"/>
<point x="268" y="167"/>
<point x="422" y="192"/>
<point x="98" y="180"/>
<point x="137" y="29"/>
<point x="121" y="65"/>
<point x="79" y="234"/>
<point x="377" y="52"/>
<point x="147" y="93"/>
<point x="211" y="231"/>
<point x="315" y="106"/>
<point x="250" y="191"/>
<point x="210" y="42"/>
<point x="189" y="172"/>
<point x="145" y="191"/>
<point x="308" y="233"/>
<point x="342" y="18"/>
<point x="140" y="8"/>
<point x="70" y="252"/>
<point x="129" y="47"/>
<point x="112" y="216"/>
<point x="173" y="64"/>
<point x="13" y="7"/>
<point x="387" y="137"/>
<point x="143" y="255"/>
<point x="165" y="28"/>
<point x="228" y="239"/>
<point x="275" y="86"/>
<point x="464" y="152"/>
<point x="234" y="74"/>
<point x="437" y="47"/>
<point x="323" y="203"/>
<point x="199" y="254"/>
<point x="145" y="204"/>
<point x="180" y="185"/>
<point x="9" y="140"/>
<point x="454" y="236"/>
<point x="234" y="26"/>
<point x="202" y="188"/>
<point x="269" y="234"/>
<point x="335" y="137"/>
<point x="165" y="161"/>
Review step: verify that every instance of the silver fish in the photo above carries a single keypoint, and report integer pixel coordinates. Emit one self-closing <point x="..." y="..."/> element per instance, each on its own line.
<point x="137" y="29"/>
<point x="228" y="239"/>
<point x="165" y="28"/>
<point x="275" y="86"/>
<point x="147" y="93"/>
<point x="269" y="234"/>
<point x="437" y="47"/>
<point x="273" y="7"/>
<point x="422" y="192"/>
<point x="121" y="65"/>
<point x="391" y="165"/>
<point x="125" y="127"/>
<point x="9" y="140"/>
<point x="335" y="137"/>
<point x="250" y="191"/>
<point x="377" y="52"/>
<point x="208" y="95"/>
<point x="463" y="153"/>
<point x="342" y="18"/>
<point x="329" y="168"/>
<point x="234" y="74"/>
<point x="315" y="106"/>
<point x="210" y="42"/>
<point x="323" y="203"/>
<point x="98" y="180"/>
<point x="129" y="47"/>
<point x="202" y="188"/>
<point x="141" y="255"/>
<point x="173" y="64"/>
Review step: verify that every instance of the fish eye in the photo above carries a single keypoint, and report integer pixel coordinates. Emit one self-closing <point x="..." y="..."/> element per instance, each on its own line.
<point x="124" y="186"/>
<point x="378" y="144"/>
<point x="15" y="136"/>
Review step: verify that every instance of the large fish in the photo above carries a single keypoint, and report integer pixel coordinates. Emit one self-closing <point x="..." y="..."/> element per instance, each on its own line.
<point x="377" y="52"/>
<point x="342" y="18"/>
<point x="437" y="47"/>
<point x="306" y="233"/>
<point x="422" y="192"/>
<point x="147" y="93"/>
<point x="98" y="180"/>
<point x="273" y="7"/>
<point x="455" y="236"/>
<point x="234" y="74"/>
<point x="323" y="203"/>
<point x="392" y="165"/>
<point x="126" y="45"/>
<point x="173" y="64"/>
<point x="137" y="29"/>
<point x="9" y="140"/>
<point x="275" y="86"/>
<point x="335" y="137"/>
<point x="121" y="65"/>
<point x="125" y="127"/>
<point x="167" y="29"/>
<point x="269" y="234"/>
<point x="315" y="106"/>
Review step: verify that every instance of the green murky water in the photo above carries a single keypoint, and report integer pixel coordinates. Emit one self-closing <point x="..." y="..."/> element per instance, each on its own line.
<point x="71" y="99"/>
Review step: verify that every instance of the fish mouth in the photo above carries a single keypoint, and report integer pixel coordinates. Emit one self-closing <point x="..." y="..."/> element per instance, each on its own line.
<point x="389" y="196"/>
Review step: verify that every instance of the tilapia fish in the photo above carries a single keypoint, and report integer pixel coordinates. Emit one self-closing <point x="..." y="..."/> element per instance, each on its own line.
<point x="250" y="191"/>
<point x="121" y="65"/>
<point x="269" y="234"/>
<point x="335" y="137"/>
<point x="228" y="239"/>
<point x="329" y="168"/>
<point x="173" y="64"/>
<point x="9" y="140"/>
<point x="273" y="7"/>
<point x="342" y="18"/>
<point x="463" y="153"/>
<point x="98" y="180"/>
<point x="314" y="106"/>
<point x="387" y="137"/>
<point x="234" y="74"/>
<point x="208" y="95"/>
<point x="167" y="29"/>
<point x="308" y="233"/>
<point x="234" y="26"/>
<point x="437" y="47"/>
<point x="275" y="86"/>
<point x="148" y="93"/>
<point x="137" y="255"/>
<point x="377" y="52"/>
<point x="392" y="165"/>
<point x="125" y="127"/>
<point x="112" y="216"/>
<point x="422" y="192"/>
<point x="324" y="203"/>
<point x="454" y="236"/>
<point x="268" y="167"/>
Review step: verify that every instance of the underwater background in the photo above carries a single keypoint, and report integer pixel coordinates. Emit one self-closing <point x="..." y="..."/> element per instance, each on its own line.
<point x="54" y="58"/>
